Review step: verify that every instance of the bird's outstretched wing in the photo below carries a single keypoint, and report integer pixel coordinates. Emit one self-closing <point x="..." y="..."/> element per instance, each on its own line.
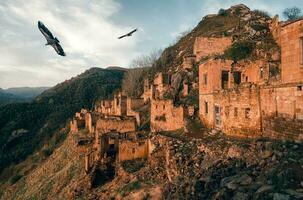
<point x="122" y="36"/>
<point x="58" y="49"/>
<point x="47" y="34"/>
<point x="128" y="34"/>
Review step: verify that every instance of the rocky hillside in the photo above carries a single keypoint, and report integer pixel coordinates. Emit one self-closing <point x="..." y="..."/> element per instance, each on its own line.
<point x="27" y="127"/>
<point x="211" y="167"/>
<point x="239" y="22"/>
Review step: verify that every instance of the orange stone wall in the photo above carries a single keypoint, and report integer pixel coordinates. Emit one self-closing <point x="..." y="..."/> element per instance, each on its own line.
<point x="282" y="108"/>
<point x="233" y="105"/>
<point x="89" y="122"/>
<point x="166" y="117"/>
<point x="106" y="125"/>
<point x="160" y="85"/>
<point x="291" y="52"/>
<point x="129" y="150"/>
<point x="74" y="126"/>
<point x="117" y="106"/>
<point x="213" y="70"/>
<point x="274" y="111"/>
<point x="253" y="73"/>
<point x="205" y="46"/>
<point x="132" y="108"/>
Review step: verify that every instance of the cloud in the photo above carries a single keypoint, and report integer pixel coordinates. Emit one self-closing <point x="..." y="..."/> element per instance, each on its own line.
<point x="84" y="28"/>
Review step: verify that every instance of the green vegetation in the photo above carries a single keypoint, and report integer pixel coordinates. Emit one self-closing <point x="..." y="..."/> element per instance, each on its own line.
<point x="132" y="166"/>
<point x="133" y="80"/>
<point x="129" y="188"/>
<point x="48" y="114"/>
<point x="292" y="13"/>
<point x="222" y="12"/>
<point x="262" y="13"/>
<point x="14" y="179"/>
<point x="240" y="50"/>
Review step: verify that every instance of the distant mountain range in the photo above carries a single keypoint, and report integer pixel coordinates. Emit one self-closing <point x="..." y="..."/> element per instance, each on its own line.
<point x="20" y="94"/>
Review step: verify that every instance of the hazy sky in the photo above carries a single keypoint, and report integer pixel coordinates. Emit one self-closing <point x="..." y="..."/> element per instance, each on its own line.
<point x="88" y="31"/>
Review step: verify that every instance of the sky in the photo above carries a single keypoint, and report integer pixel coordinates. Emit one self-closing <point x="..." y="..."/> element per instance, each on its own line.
<point x="88" y="31"/>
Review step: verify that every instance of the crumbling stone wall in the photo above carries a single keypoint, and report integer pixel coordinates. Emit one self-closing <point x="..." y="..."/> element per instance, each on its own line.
<point x="105" y="125"/>
<point x="165" y="116"/>
<point x="161" y="85"/>
<point x="275" y="28"/>
<point x="292" y="52"/>
<point x="205" y="46"/>
<point x="256" y="72"/>
<point x="271" y="110"/>
<point x="234" y="111"/>
<point x="282" y="108"/>
<point x="147" y="91"/>
<point x="129" y="150"/>
<point x="116" y="106"/>
<point x="133" y="104"/>
<point x="237" y="110"/>
<point x="210" y="75"/>
<point x="89" y="122"/>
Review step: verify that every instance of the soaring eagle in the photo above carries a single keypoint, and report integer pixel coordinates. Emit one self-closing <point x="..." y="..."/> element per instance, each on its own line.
<point x="51" y="40"/>
<point x="128" y="34"/>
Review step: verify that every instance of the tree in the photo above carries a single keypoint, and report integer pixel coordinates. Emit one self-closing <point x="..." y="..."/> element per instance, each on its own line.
<point x="133" y="79"/>
<point x="292" y="13"/>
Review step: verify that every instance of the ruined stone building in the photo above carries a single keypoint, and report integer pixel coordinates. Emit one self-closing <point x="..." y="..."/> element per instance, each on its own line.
<point x="207" y="46"/>
<point x="248" y="98"/>
<point x="109" y="133"/>
<point x="157" y="88"/>
<point x="165" y="116"/>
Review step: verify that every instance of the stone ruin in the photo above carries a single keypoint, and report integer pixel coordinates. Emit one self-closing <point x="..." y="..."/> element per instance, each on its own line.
<point x="253" y="98"/>
<point x="245" y="99"/>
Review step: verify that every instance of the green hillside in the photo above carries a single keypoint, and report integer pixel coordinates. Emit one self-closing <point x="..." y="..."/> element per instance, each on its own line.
<point x="26" y="127"/>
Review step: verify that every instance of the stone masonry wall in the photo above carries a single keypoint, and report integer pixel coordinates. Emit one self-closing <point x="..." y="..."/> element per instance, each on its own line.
<point x="282" y="108"/>
<point x="205" y="46"/>
<point x="292" y="52"/>
<point x="105" y="125"/>
<point x="129" y="150"/>
<point x="166" y="117"/>
<point x="251" y="111"/>
<point x="236" y="113"/>
<point x="132" y="106"/>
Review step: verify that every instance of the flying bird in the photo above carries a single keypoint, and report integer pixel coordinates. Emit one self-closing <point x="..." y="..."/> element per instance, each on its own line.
<point x="51" y="40"/>
<point x="128" y="34"/>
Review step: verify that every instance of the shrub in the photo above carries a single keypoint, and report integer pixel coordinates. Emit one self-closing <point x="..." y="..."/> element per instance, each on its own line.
<point x="14" y="179"/>
<point x="130" y="187"/>
<point x="262" y="13"/>
<point x="222" y="12"/>
<point x="240" y="50"/>
<point x="132" y="166"/>
<point x="47" y="152"/>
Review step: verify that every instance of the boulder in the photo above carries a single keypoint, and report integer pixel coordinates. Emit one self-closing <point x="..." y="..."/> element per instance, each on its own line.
<point x="264" y="188"/>
<point x="240" y="196"/>
<point x="234" y="152"/>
